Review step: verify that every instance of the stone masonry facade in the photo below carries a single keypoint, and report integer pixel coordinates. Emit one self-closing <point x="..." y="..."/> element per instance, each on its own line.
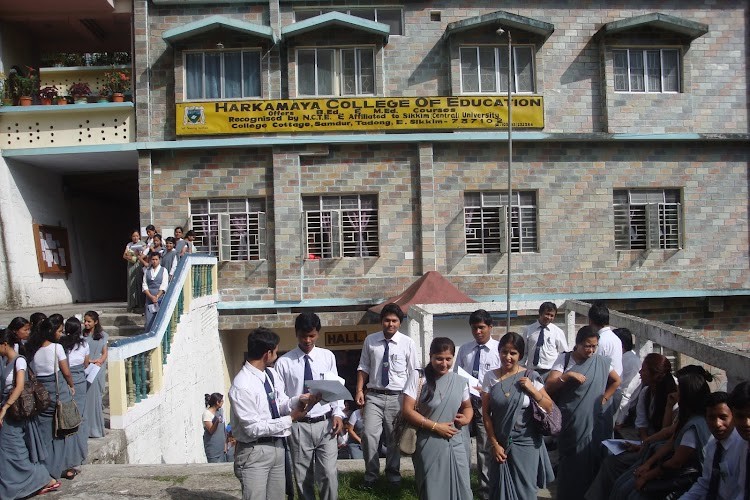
<point x="594" y="141"/>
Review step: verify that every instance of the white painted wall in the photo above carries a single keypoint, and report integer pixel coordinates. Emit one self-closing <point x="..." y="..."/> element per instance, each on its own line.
<point x="168" y="427"/>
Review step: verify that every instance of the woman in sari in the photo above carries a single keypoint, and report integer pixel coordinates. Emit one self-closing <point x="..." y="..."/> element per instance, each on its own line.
<point x="441" y="466"/>
<point x="135" y="272"/>
<point x="580" y="382"/>
<point x="521" y="464"/>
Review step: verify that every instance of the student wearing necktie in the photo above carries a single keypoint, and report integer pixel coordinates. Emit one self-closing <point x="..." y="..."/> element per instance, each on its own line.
<point x="478" y="357"/>
<point x="723" y="454"/>
<point x="388" y="357"/>
<point x="262" y="416"/>
<point x="313" y="439"/>
<point x="544" y="340"/>
<point x="739" y="402"/>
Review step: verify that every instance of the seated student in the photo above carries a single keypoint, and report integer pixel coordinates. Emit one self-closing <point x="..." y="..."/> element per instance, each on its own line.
<point x="739" y="402"/>
<point x="723" y="452"/>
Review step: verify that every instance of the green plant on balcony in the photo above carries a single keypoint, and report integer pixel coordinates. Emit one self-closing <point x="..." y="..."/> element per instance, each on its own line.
<point x="116" y="81"/>
<point x="47" y="95"/>
<point x="22" y="87"/>
<point x="80" y="91"/>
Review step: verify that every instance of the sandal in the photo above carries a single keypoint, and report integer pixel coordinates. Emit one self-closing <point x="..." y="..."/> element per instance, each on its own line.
<point x="50" y="488"/>
<point x="70" y="474"/>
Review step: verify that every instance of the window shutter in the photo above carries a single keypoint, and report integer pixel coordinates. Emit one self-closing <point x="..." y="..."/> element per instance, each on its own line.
<point x="261" y="239"/>
<point x="335" y="216"/>
<point x="652" y="226"/>
<point x="225" y="238"/>
<point x="502" y="216"/>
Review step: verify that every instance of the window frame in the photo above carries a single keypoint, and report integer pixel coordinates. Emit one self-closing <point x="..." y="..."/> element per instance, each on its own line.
<point x="496" y="52"/>
<point x="628" y="75"/>
<point x="525" y="228"/>
<point x="242" y="51"/>
<point x="217" y="233"/>
<point x="319" y="11"/>
<point x="652" y="225"/>
<point x="338" y="74"/>
<point x="340" y="243"/>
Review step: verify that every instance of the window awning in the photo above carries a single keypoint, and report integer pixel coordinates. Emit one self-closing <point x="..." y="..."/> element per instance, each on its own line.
<point x="656" y="20"/>
<point x="501" y="19"/>
<point x="196" y="28"/>
<point x="336" y="19"/>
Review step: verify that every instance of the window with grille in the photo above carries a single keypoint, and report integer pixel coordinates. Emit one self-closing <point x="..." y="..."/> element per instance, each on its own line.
<point x="485" y="221"/>
<point x="341" y="226"/>
<point x="391" y="16"/>
<point x="647" y="70"/>
<point x="222" y="74"/>
<point x="484" y="69"/>
<point x="232" y="228"/>
<point x="336" y="72"/>
<point x="647" y="219"/>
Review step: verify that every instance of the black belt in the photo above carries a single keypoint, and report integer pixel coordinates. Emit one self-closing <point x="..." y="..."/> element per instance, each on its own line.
<point x="315" y="420"/>
<point x="384" y="391"/>
<point x="264" y="440"/>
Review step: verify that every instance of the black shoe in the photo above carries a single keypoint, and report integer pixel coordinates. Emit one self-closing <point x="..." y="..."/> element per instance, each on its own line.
<point x="394" y="485"/>
<point x="368" y="485"/>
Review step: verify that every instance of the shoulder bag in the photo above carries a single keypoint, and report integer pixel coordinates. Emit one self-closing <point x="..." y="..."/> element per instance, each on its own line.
<point x="404" y="433"/>
<point x="548" y="423"/>
<point x="67" y="416"/>
<point x="34" y="398"/>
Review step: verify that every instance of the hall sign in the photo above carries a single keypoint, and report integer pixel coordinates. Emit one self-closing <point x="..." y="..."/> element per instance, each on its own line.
<point x="353" y="338"/>
<point x="362" y="114"/>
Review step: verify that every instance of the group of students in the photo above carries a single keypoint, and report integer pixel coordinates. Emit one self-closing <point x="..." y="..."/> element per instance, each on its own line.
<point x="57" y="352"/>
<point x="151" y="266"/>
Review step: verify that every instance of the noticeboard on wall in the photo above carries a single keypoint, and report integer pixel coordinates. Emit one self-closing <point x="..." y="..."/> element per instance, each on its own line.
<point x="52" y="249"/>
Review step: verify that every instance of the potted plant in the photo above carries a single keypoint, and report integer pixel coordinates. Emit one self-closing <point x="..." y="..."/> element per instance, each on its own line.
<point x="80" y="91"/>
<point x="25" y="87"/>
<point x="61" y="100"/>
<point x="117" y="82"/>
<point x="47" y="95"/>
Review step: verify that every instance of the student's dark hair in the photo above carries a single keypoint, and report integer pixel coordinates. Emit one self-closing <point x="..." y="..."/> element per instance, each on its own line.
<point x="693" y="390"/>
<point x="213" y="399"/>
<point x="157" y="235"/>
<point x="190" y="233"/>
<point x="717" y="398"/>
<point x="36" y="318"/>
<point x="152" y="254"/>
<point x="480" y="316"/>
<point x="73" y="336"/>
<point x="6" y="337"/>
<point x="515" y="340"/>
<point x="150" y="227"/>
<point x="97" y="334"/>
<point x="46" y="331"/>
<point x="394" y="309"/>
<point x="260" y="341"/>
<point x="547" y="306"/>
<point x="438" y="346"/>
<point x="307" y="322"/>
<point x="663" y="385"/>
<point x="178" y="227"/>
<point x="739" y="398"/>
<point x="599" y="313"/>
<point x="626" y="337"/>
<point x="170" y="239"/>
<point x="697" y="370"/>
<point x="586" y="332"/>
<point x="16" y="324"/>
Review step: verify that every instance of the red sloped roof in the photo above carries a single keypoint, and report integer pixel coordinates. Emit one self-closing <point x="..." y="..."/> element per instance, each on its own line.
<point x="431" y="288"/>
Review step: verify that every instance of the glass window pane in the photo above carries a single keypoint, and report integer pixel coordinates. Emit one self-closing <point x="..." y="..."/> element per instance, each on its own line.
<point x="306" y="72"/>
<point x="469" y="70"/>
<point x="620" y="64"/>
<point x="502" y="69"/>
<point x="325" y="68"/>
<point x="522" y="58"/>
<point x="391" y="17"/>
<point x="301" y="15"/>
<point x="213" y="75"/>
<point x="487" y="80"/>
<point x="194" y="75"/>
<point x="670" y="71"/>
<point x="363" y="13"/>
<point x="232" y="74"/>
<point x="348" y="72"/>
<point x="636" y="71"/>
<point x="251" y="73"/>
<point x="366" y="71"/>
<point x="653" y="70"/>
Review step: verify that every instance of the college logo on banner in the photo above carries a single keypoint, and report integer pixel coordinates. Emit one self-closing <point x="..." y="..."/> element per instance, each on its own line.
<point x="194" y="115"/>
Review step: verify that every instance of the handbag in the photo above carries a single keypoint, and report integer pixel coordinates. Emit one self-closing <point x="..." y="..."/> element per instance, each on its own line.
<point x="404" y="433"/>
<point x="549" y="423"/>
<point x="67" y="416"/>
<point x="33" y="400"/>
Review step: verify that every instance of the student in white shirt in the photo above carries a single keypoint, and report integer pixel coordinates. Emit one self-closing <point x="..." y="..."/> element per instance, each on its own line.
<point x="540" y="356"/>
<point x="610" y="346"/>
<point x="739" y="402"/>
<point x="262" y="416"/>
<point x="313" y="440"/>
<point x="155" y="281"/>
<point x="630" y="381"/>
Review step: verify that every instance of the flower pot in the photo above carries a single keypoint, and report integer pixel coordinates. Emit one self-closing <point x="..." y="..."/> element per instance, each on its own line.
<point x="7" y="102"/>
<point x="24" y="100"/>
<point x="118" y="97"/>
<point x="61" y="101"/>
<point x="80" y="99"/>
<point x="45" y="102"/>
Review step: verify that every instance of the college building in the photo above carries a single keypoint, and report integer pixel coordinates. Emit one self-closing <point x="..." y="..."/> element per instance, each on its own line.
<point x="331" y="153"/>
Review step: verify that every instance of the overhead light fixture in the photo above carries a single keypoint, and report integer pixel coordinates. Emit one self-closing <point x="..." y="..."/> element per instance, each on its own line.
<point x="219" y="45"/>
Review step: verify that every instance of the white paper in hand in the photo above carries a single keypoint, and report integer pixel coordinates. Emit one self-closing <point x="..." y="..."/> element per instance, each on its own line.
<point x="473" y="382"/>
<point x="329" y="390"/>
<point x="91" y="372"/>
